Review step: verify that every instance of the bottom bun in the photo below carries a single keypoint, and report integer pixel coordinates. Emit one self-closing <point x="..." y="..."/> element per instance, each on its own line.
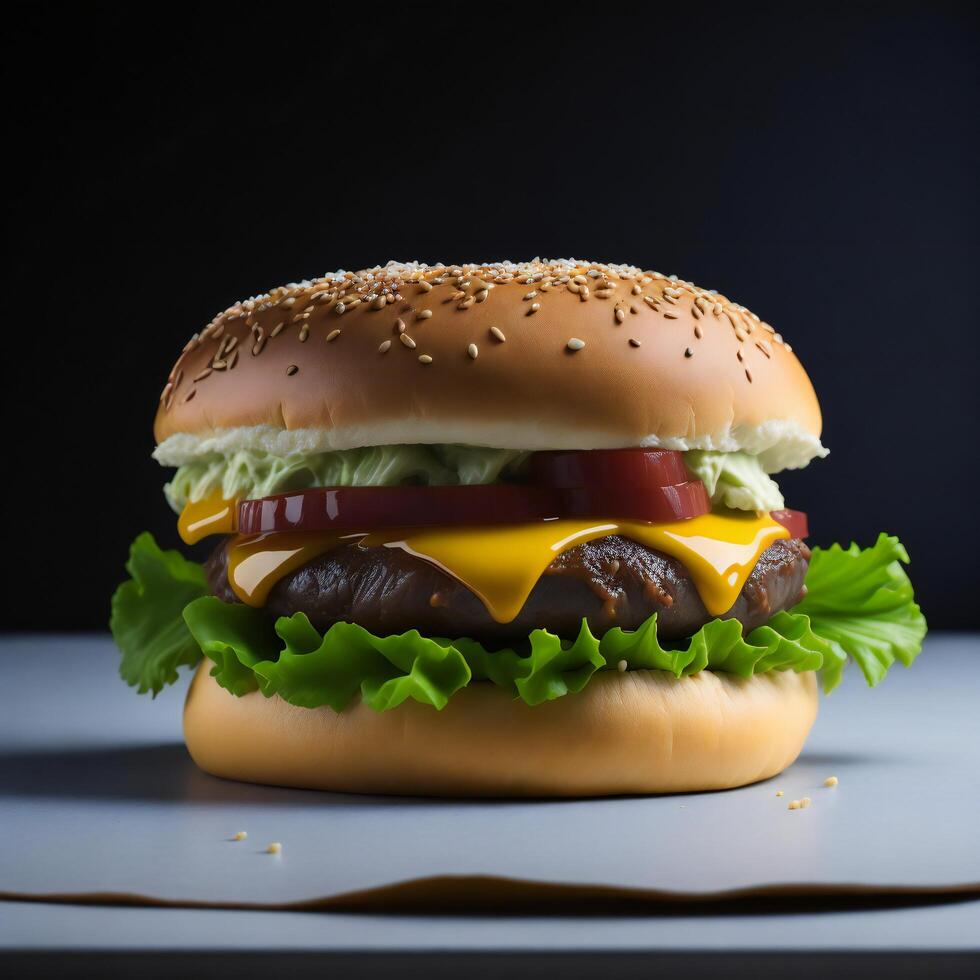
<point x="642" y="731"/>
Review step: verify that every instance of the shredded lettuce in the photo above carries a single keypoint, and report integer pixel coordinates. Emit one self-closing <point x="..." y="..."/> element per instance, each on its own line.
<point x="859" y="606"/>
<point x="732" y="479"/>
<point x="249" y="474"/>
<point x="735" y="480"/>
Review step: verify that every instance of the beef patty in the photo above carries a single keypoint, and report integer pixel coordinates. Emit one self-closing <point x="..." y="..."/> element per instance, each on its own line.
<point x="611" y="581"/>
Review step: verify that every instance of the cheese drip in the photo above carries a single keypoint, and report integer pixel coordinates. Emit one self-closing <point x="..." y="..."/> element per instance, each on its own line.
<point x="213" y="515"/>
<point x="501" y="564"/>
<point x="256" y="563"/>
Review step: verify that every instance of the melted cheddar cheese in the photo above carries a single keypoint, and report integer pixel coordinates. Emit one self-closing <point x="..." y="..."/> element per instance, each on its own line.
<point x="499" y="563"/>
<point x="213" y="515"/>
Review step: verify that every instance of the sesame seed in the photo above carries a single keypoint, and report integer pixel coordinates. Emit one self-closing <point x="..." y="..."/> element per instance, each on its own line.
<point x="383" y="346"/>
<point x="473" y="351"/>
<point x="779" y="792"/>
<point x="698" y="332"/>
<point x="831" y="781"/>
<point x="423" y="314"/>
<point x="382" y="286"/>
<point x="689" y="352"/>
<point x="534" y="308"/>
<point x="407" y="341"/>
<point x="531" y="294"/>
<point x="670" y="314"/>
<point x="400" y="325"/>
<point x="621" y="666"/>
<point x="202" y="375"/>
<point x="793" y="805"/>
<point x="738" y="354"/>
<point x="277" y="329"/>
<point x="425" y="359"/>
<point x="241" y="835"/>
<point x="274" y="848"/>
<point x="620" y="315"/>
<point x="497" y="334"/>
<point x="748" y="374"/>
<point x="634" y="342"/>
<point x="465" y="304"/>
<point x="575" y="344"/>
<point x="333" y="335"/>
<point x="190" y="395"/>
<point x="291" y="370"/>
<point x="805" y="802"/>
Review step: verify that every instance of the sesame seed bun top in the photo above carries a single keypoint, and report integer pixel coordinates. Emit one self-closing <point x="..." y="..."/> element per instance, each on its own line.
<point x="536" y="355"/>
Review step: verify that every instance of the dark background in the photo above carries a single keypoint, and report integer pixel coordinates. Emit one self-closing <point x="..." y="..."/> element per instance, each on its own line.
<point x="820" y="167"/>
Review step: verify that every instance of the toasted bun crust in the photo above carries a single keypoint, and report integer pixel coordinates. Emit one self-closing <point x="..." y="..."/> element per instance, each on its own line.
<point x="640" y="731"/>
<point x="563" y="354"/>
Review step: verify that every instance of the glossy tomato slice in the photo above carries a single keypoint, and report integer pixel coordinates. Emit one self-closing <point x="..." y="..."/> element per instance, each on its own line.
<point x="793" y="520"/>
<point x="609" y="468"/>
<point x="370" y="508"/>
<point x="660" y="505"/>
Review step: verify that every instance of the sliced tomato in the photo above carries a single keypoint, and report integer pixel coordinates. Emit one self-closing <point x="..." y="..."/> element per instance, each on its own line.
<point x="793" y="520"/>
<point x="370" y="508"/>
<point x="640" y="503"/>
<point x="609" y="468"/>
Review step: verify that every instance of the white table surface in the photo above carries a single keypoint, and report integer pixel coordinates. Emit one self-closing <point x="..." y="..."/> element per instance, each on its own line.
<point x="95" y="787"/>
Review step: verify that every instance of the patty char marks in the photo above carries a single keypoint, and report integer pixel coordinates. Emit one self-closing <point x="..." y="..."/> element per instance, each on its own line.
<point x="611" y="581"/>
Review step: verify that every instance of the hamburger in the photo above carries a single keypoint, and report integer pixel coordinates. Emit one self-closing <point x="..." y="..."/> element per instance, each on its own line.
<point x="498" y="529"/>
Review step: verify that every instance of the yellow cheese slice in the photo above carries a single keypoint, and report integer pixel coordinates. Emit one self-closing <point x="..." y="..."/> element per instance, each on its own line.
<point x="502" y="563"/>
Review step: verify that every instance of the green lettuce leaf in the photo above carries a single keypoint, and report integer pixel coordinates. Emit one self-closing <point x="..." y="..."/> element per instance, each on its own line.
<point x="860" y="601"/>
<point x="291" y="659"/>
<point x="859" y="606"/>
<point x="147" y="621"/>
